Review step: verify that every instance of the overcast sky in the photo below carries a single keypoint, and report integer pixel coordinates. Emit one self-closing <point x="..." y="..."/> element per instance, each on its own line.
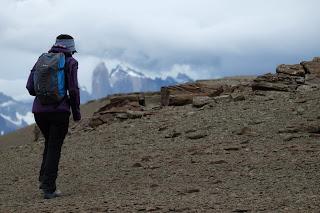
<point x="203" y="38"/>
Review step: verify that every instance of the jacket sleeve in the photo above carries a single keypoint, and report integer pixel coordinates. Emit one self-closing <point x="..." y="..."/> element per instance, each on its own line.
<point x="74" y="90"/>
<point x="30" y="85"/>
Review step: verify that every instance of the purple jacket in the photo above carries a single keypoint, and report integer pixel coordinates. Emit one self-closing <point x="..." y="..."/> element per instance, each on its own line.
<point x="74" y="96"/>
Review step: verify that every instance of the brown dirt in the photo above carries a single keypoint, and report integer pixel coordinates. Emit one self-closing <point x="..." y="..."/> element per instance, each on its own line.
<point x="261" y="154"/>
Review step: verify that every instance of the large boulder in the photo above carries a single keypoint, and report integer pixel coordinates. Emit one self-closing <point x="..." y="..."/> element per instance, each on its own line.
<point x="120" y="107"/>
<point x="316" y="59"/>
<point x="312" y="67"/>
<point x="287" y="77"/>
<point x="277" y="82"/>
<point x="184" y="93"/>
<point x="294" y="70"/>
<point x="128" y="102"/>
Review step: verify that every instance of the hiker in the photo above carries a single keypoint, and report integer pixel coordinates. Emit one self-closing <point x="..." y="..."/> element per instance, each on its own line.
<point x="53" y="80"/>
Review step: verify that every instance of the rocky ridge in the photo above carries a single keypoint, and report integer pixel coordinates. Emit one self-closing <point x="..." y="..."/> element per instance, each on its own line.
<point x="288" y="78"/>
<point x="291" y="77"/>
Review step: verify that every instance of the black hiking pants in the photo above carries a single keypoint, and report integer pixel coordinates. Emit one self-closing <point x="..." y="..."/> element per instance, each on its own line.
<point x="54" y="127"/>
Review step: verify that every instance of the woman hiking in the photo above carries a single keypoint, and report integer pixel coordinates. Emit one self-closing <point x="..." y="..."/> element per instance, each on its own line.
<point x="53" y="81"/>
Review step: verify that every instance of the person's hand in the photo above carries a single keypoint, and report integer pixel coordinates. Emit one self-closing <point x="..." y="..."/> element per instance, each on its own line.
<point x="76" y="118"/>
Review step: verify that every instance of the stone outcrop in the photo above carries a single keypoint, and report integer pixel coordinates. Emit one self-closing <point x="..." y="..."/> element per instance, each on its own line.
<point x="184" y="93"/>
<point x="312" y="67"/>
<point x="290" y="77"/>
<point x="298" y="77"/>
<point x="120" y="107"/>
<point x="291" y="70"/>
<point x="277" y="82"/>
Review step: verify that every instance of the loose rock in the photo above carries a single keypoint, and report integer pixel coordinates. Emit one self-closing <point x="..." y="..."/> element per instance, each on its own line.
<point x="223" y="98"/>
<point x="95" y="121"/>
<point x="122" y="116"/>
<point x="136" y="165"/>
<point x="289" y="137"/>
<point x="134" y="114"/>
<point x="200" y="101"/>
<point x="192" y="190"/>
<point x="173" y="135"/>
<point x="197" y="135"/>
<point x="246" y="131"/>
<point x="218" y="162"/>
<point x="232" y="148"/>
<point x="238" y="97"/>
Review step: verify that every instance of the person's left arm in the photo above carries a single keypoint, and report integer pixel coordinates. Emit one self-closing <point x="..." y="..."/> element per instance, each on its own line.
<point x="30" y="84"/>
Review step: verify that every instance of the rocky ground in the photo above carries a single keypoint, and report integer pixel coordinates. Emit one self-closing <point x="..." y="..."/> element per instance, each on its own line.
<point x="261" y="154"/>
<point x="254" y="151"/>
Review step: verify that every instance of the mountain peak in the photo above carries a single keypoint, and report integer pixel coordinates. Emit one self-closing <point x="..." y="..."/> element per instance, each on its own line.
<point x="126" y="70"/>
<point x="183" y="78"/>
<point x="118" y="70"/>
<point x="5" y="98"/>
<point x="100" y="81"/>
<point x="101" y="67"/>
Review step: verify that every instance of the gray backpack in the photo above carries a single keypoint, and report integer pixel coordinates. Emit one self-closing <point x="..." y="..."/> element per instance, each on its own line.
<point x="49" y="78"/>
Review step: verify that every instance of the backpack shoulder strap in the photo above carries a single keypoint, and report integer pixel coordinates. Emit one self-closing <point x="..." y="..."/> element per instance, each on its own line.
<point x="66" y="75"/>
<point x="67" y="71"/>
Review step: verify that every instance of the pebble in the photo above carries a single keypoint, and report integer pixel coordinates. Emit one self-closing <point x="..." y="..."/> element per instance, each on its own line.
<point x="197" y="135"/>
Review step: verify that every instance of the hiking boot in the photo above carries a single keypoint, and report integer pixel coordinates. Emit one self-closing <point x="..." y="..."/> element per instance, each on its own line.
<point x="48" y="195"/>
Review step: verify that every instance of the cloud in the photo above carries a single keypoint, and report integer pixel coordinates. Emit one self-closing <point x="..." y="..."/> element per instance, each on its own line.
<point x="15" y="88"/>
<point x="211" y="37"/>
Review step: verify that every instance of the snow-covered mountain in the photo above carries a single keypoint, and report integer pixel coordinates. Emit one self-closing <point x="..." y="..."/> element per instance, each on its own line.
<point x="14" y="114"/>
<point x="182" y="78"/>
<point x="123" y="79"/>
